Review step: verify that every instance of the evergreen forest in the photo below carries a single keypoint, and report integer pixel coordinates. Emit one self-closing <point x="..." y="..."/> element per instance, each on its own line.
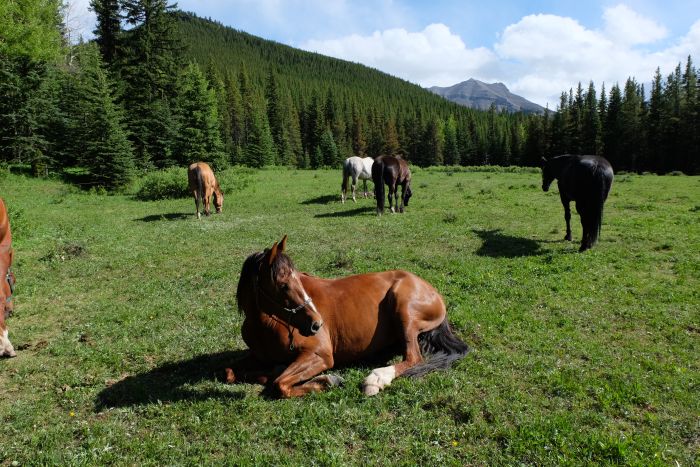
<point x="158" y="87"/>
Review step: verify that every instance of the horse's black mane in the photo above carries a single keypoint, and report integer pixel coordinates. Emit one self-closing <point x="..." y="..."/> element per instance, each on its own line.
<point x="251" y="267"/>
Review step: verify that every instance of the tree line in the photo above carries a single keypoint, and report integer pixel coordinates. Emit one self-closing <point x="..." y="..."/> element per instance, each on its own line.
<point x="136" y="98"/>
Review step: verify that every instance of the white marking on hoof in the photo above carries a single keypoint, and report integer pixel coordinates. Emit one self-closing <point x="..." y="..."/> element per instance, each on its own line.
<point x="378" y="380"/>
<point x="6" y="348"/>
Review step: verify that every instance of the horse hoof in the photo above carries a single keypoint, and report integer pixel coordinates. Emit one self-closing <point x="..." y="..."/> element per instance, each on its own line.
<point x="370" y="390"/>
<point x="567" y="238"/>
<point x="329" y="380"/>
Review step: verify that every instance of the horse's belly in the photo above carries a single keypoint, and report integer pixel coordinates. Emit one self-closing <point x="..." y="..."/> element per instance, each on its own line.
<point x="368" y="337"/>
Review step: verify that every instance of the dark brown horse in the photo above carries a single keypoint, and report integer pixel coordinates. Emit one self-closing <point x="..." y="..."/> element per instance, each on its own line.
<point x="298" y="326"/>
<point x="393" y="171"/>
<point x="585" y="180"/>
<point x="203" y="184"/>
<point x="7" y="281"/>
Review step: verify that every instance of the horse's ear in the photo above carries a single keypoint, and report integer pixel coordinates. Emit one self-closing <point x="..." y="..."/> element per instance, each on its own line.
<point x="283" y="244"/>
<point x="272" y="254"/>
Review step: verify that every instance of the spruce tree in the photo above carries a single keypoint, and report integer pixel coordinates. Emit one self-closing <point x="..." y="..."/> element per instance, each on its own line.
<point x="108" y="154"/>
<point x="199" y="137"/>
<point x="107" y="28"/>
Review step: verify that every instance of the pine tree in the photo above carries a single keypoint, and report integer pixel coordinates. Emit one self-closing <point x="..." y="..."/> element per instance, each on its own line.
<point x="259" y="150"/>
<point x="199" y="138"/>
<point x="149" y="68"/>
<point x="329" y="150"/>
<point x="391" y="138"/>
<point x="591" y="126"/>
<point x="107" y="28"/>
<point x="612" y="136"/>
<point x="451" y="148"/>
<point x="108" y="155"/>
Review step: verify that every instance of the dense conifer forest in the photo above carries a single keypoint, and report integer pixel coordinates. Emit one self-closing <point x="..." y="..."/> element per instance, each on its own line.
<point x="159" y="87"/>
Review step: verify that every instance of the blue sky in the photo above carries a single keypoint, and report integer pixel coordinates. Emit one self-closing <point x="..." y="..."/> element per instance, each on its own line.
<point x="537" y="48"/>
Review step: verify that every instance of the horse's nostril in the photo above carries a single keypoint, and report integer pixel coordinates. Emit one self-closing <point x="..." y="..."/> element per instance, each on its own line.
<point x="315" y="326"/>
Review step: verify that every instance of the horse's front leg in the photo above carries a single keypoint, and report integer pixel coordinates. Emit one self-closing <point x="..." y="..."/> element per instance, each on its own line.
<point x="354" y="186"/>
<point x="250" y="369"/>
<point x="567" y="216"/>
<point x="6" y="348"/>
<point x="294" y="380"/>
<point x="403" y="196"/>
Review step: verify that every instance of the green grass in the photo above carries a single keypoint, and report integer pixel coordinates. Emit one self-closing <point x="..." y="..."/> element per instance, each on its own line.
<point x="126" y="309"/>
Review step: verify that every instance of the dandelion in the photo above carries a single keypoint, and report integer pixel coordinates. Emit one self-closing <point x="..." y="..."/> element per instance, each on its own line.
<point x="454" y="443"/>
<point x="72" y="414"/>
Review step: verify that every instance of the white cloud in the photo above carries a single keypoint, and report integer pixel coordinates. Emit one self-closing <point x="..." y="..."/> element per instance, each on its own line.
<point x="626" y="26"/>
<point x="555" y="53"/>
<point x="433" y="56"/>
<point x="538" y="57"/>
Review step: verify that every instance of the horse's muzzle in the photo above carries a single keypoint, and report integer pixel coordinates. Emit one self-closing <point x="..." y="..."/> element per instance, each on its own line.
<point x="315" y="327"/>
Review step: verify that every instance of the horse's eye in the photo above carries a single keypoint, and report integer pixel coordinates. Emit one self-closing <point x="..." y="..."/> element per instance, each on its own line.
<point x="285" y="287"/>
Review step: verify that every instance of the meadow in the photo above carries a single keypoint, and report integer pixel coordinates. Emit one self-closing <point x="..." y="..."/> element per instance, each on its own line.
<point x="125" y="312"/>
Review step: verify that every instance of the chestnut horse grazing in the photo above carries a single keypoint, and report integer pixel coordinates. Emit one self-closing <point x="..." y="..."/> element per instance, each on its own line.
<point x="585" y="180"/>
<point x="297" y="326"/>
<point x="203" y="184"/>
<point x="7" y="281"/>
<point x="393" y="171"/>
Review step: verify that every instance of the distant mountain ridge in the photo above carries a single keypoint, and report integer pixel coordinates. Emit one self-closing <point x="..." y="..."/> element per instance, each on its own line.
<point x="479" y="95"/>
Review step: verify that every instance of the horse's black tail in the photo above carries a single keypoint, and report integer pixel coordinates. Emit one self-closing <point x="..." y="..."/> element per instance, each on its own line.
<point x="378" y="179"/>
<point x="602" y="182"/>
<point x="440" y="348"/>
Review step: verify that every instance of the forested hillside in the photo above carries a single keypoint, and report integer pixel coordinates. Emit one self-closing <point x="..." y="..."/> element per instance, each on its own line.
<point x="159" y="87"/>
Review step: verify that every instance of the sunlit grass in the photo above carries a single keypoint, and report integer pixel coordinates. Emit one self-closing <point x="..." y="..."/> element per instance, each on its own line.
<point x="126" y="308"/>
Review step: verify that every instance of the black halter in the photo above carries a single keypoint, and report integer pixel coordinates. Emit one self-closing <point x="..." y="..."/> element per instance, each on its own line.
<point x="290" y="311"/>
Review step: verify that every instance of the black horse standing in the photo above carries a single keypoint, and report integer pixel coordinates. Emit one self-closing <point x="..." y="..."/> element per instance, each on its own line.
<point x="585" y="180"/>
<point x="393" y="171"/>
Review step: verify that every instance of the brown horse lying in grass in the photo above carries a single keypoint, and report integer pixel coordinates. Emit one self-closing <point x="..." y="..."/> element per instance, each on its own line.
<point x="203" y="184"/>
<point x="298" y="326"/>
<point x="7" y="281"/>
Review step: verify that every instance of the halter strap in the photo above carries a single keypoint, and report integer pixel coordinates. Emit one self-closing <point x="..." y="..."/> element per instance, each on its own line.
<point x="10" y="282"/>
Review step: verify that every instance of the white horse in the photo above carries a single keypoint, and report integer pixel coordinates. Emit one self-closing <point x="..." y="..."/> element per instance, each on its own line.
<point x="356" y="167"/>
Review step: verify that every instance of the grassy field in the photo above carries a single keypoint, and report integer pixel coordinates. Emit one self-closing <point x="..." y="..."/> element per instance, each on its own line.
<point x="126" y="310"/>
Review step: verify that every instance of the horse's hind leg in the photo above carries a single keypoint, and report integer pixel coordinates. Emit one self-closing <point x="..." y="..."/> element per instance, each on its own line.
<point x="354" y="186"/>
<point x="382" y="377"/>
<point x="392" y="198"/>
<point x="567" y="217"/>
<point x="196" y="203"/>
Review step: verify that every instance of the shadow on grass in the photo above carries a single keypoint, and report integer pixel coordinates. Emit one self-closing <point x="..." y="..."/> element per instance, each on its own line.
<point x="350" y="213"/>
<point x="499" y="245"/>
<point x="324" y="199"/>
<point x="171" y="216"/>
<point x="169" y="383"/>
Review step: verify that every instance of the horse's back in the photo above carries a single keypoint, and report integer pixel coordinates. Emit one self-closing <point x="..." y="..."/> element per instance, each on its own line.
<point x="200" y="171"/>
